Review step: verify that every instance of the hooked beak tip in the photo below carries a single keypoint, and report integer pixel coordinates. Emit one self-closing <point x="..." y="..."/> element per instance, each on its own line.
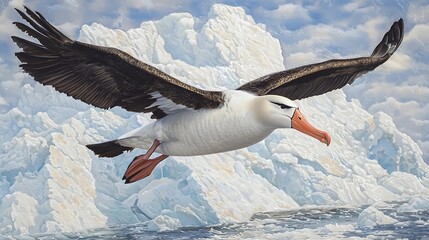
<point x="327" y="138"/>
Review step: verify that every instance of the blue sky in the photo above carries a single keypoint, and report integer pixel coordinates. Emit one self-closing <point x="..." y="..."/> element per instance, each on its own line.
<point x="309" y="31"/>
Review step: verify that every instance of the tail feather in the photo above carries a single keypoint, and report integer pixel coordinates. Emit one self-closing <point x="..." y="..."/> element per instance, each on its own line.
<point x="108" y="149"/>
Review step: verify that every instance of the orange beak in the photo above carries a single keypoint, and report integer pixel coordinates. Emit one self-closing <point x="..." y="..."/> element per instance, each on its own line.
<point x="300" y="123"/>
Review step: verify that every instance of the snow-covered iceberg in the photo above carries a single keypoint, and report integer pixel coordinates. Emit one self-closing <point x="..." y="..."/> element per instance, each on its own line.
<point x="51" y="182"/>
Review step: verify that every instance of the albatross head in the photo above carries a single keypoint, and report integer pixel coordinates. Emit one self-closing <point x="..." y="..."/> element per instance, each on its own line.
<point x="280" y="112"/>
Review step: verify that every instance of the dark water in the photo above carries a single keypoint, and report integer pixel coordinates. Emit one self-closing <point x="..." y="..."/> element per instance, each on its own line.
<point x="315" y="223"/>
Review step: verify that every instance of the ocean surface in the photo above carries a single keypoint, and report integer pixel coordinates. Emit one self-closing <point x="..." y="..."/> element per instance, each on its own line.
<point x="309" y="223"/>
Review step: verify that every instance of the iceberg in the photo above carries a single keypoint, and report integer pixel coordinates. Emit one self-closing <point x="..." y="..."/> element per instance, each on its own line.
<point x="51" y="182"/>
<point x="371" y="217"/>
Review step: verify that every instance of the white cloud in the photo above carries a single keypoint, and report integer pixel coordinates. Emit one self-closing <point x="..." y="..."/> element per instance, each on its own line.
<point x="159" y="6"/>
<point x="418" y="12"/>
<point x="315" y="43"/>
<point x="378" y="90"/>
<point x="290" y="11"/>
<point x="395" y="108"/>
<point x="69" y="28"/>
<point x="141" y="4"/>
<point x="6" y="16"/>
<point x="355" y="5"/>
<point x="398" y="62"/>
<point x="375" y="28"/>
<point x="300" y="58"/>
<point x="417" y="39"/>
<point x="2" y="101"/>
<point x="10" y="85"/>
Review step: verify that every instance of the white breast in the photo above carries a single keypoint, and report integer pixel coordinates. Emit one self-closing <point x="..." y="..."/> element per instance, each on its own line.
<point x="188" y="133"/>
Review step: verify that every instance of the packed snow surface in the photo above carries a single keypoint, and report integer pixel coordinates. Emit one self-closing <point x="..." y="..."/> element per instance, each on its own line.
<point x="51" y="182"/>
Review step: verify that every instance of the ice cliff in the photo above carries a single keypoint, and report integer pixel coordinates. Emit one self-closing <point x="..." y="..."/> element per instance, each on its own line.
<point x="49" y="181"/>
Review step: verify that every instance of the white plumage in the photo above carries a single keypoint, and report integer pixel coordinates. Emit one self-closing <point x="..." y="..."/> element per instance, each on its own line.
<point x="165" y="104"/>
<point x="196" y="132"/>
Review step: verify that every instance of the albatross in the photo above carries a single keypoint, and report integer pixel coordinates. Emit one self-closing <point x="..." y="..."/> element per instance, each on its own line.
<point x="189" y="121"/>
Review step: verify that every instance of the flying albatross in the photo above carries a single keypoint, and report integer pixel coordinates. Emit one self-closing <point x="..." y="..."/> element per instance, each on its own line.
<point x="189" y="121"/>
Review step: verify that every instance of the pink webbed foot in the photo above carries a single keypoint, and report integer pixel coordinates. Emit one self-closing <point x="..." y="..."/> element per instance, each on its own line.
<point x="142" y="166"/>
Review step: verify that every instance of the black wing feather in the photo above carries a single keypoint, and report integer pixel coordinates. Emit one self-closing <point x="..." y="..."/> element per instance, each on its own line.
<point x="319" y="78"/>
<point x="101" y="76"/>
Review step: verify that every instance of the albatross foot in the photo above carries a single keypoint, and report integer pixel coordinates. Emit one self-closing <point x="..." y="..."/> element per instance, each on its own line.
<point x="141" y="167"/>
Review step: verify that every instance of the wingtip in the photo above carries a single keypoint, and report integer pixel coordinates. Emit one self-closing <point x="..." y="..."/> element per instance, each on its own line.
<point x="21" y="13"/>
<point x="401" y="25"/>
<point x="14" y="38"/>
<point x="391" y="41"/>
<point x="399" y="22"/>
<point x="28" y="10"/>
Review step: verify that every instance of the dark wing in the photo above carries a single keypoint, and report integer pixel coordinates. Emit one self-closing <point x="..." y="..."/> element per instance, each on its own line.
<point x="101" y="76"/>
<point x="319" y="78"/>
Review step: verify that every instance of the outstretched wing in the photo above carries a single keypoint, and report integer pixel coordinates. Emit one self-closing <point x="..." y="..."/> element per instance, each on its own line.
<point x="319" y="78"/>
<point x="101" y="76"/>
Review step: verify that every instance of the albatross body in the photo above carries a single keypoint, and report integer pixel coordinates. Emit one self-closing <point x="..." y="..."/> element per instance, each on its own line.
<point x="233" y="126"/>
<point x="189" y="121"/>
<point x="237" y="124"/>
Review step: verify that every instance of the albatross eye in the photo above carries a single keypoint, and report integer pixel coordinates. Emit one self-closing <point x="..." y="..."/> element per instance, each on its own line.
<point x="282" y="106"/>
